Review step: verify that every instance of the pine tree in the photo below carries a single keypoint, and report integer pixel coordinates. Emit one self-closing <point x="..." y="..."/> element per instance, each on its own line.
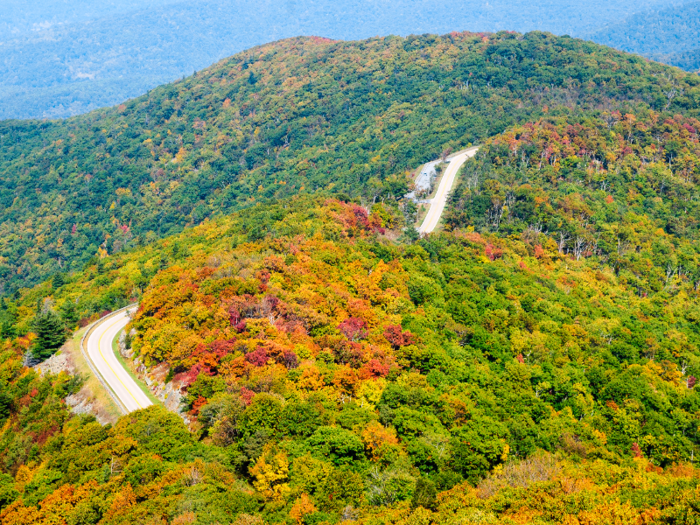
<point x="58" y="281"/>
<point x="69" y="314"/>
<point x="50" y="334"/>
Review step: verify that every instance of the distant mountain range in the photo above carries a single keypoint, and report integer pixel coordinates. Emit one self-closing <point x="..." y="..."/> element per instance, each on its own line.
<point x="669" y="35"/>
<point x="65" y="58"/>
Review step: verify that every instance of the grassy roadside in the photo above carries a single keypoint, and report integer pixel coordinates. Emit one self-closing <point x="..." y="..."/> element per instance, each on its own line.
<point x="125" y="365"/>
<point x="92" y="388"/>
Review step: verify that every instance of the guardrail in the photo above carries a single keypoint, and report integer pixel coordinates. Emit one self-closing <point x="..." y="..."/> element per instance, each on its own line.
<point x="92" y="366"/>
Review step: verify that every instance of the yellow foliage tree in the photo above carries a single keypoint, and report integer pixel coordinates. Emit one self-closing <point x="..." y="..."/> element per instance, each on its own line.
<point x="123" y="500"/>
<point x="377" y="439"/>
<point x="271" y="473"/>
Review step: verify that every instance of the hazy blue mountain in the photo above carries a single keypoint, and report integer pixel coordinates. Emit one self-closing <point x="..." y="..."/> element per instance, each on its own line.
<point x="688" y="60"/>
<point x="21" y="16"/>
<point x="664" y="32"/>
<point x="61" y="58"/>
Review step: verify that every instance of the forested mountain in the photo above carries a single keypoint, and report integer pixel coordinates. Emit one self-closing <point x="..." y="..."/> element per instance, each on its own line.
<point x="654" y="31"/>
<point x="64" y="58"/>
<point x="499" y="372"/>
<point x="21" y="17"/>
<point x="668" y="35"/>
<point x="301" y="115"/>
<point x="536" y="361"/>
<point x="688" y="60"/>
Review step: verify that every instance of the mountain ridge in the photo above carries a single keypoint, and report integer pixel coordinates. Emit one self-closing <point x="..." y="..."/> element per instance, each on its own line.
<point x="275" y="120"/>
<point x="46" y="82"/>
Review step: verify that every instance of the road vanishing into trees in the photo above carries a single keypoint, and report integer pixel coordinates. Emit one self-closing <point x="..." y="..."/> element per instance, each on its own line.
<point x="98" y="344"/>
<point x="438" y="203"/>
<point x="122" y="387"/>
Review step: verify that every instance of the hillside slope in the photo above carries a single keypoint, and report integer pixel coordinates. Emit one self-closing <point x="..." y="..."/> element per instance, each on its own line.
<point x="494" y="373"/>
<point x="301" y="115"/>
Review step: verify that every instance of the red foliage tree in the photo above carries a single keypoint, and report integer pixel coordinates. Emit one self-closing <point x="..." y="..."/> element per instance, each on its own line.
<point x="290" y="359"/>
<point x="353" y="328"/>
<point x="257" y="357"/>
<point x="398" y="338"/>
<point x="237" y="320"/>
<point x="247" y="395"/>
<point x="636" y="450"/>
<point x="493" y="252"/>
<point x="361" y="216"/>
<point x="375" y="368"/>
<point x="222" y="347"/>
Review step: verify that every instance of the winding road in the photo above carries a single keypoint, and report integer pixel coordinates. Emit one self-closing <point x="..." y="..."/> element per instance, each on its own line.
<point x="98" y="345"/>
<point x="437" y="205"/>
<point x="98" y="342"/>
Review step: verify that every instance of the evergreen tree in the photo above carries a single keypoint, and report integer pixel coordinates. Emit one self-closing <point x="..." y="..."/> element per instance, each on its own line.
<point x="7" y="330"/>
<point x="50" y="334"/>
<point x="69" y="314"/>
<point x="8" y="317"/>
<point x="58" y="281"/>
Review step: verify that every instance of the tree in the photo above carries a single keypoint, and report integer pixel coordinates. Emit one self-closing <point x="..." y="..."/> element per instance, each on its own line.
<point x="425" y="494"/>
<point x="50" y="334"/>
<point x="340" y="446"/>
<point x="69" y="314"/>
<point x="8" y="494"/>
<point x="58" y="281"/>
<point x="271" y="473"/>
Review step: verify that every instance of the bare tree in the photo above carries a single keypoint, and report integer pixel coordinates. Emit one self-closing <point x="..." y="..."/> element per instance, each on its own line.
<point x="563" y="239"/>
<point x="579" y="246"/>
<point x="672" y="93"/>
<point x="495" y="215"/>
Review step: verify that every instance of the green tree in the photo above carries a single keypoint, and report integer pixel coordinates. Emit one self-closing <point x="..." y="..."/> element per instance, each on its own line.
<point x="58" y="281"/>
<point x="69" y="314"/>
<point x="425" y="494"/>
<point x="50" y="334"/>
<point x="340" y="446"/>
<point x="8" y="494"/>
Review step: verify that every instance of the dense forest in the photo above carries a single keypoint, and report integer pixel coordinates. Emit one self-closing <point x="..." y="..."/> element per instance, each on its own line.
<point x="672" y="29"/>
<point x="302" y="115"/>
<point x="335" y="374"/>
<point x="688" y="60"/>
<point x="534" y="361"/>
<point x="60" y="58"/>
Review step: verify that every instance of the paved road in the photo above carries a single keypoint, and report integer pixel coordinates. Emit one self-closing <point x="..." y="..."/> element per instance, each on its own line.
<point x="437" y="205"/>
<point x="99" y="348"/>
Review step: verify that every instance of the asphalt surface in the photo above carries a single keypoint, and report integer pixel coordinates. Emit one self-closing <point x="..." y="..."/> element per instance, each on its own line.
<point x="432" y="219"/>
<point x="99" y="348"/>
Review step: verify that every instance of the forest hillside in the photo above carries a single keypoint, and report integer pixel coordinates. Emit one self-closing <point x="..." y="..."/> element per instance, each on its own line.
<point x="668" y="35"/>
<point x="298" y="116"/>
<point x="534" y="363"/>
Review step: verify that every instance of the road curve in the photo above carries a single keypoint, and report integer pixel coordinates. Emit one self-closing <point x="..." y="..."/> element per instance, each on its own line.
<point x="432" y="219"/>
<point x="99" y="349"/>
